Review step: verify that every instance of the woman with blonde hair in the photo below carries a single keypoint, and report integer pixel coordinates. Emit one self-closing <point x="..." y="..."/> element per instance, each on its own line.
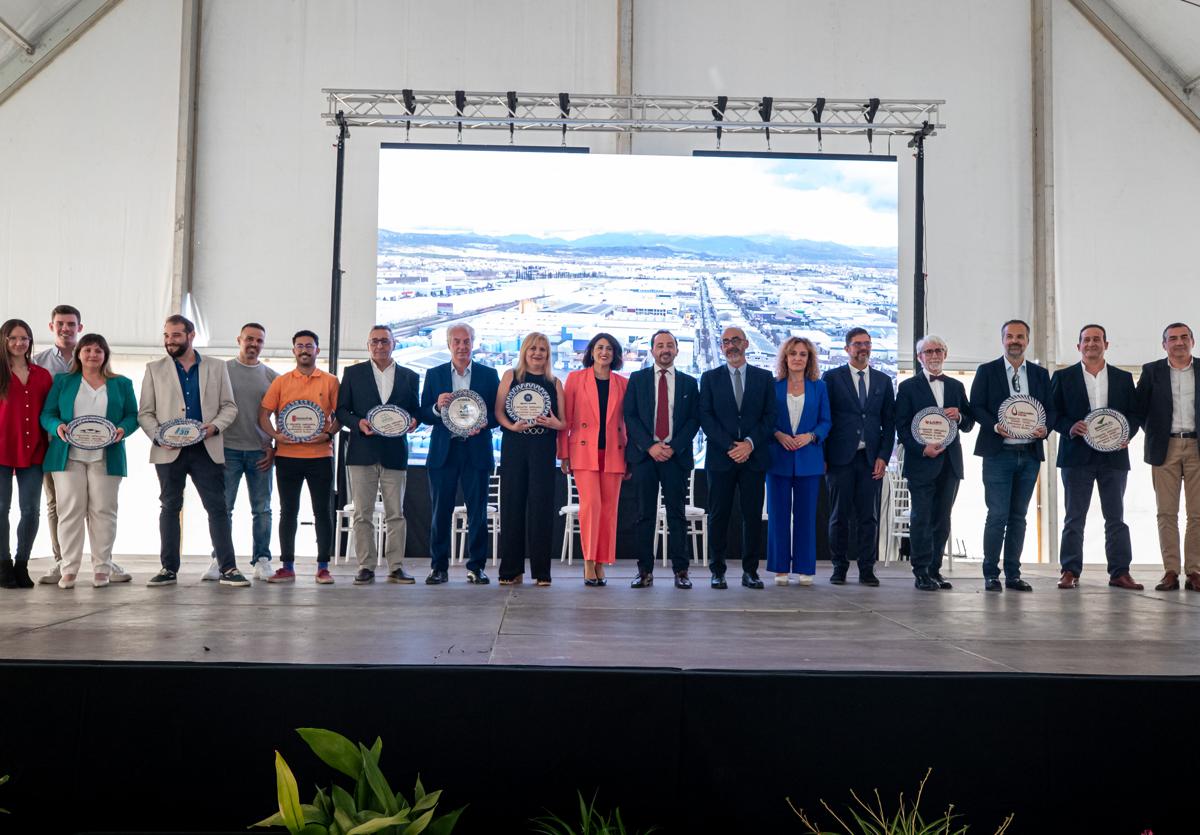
<point x="527" y="472"/>
<point x="802" y="422"/>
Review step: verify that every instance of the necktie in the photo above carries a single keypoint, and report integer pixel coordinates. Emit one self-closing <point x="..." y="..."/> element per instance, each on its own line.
<point x="662" y="420"/>
<point x="862" y="391"/>
<point x="737" y="388"/>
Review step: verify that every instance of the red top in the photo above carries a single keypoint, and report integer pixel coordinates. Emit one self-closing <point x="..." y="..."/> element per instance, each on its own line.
<point x="22" y="439"/>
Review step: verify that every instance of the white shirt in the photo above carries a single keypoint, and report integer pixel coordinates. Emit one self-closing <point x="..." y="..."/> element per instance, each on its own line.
<point x="1023" y="379"/>
<point x="458" y="382"/>
<point x="1097" y="387"/>
<point x="93" y="402"/>
<point x="385" y="379"/>
<point x="52" y="360"/>
<point x="1183" y="399"/>
<point x="658" y="374"/>
<point x="795" y="409"/>
<point x="939" y="390"/>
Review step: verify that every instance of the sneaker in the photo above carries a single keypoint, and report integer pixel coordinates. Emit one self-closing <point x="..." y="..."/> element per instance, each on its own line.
<point x="233" y="577"/>
<point x="213" y="573"/>
<point x="66" y="581"/>
<point x="165" y="577"/>
<point x="324" y="578"/>
<point x="99" y="581"/>
<point x="283" y="575"/>
<point x="51" y="577"/>
<point x="117" y="574"/>
<point x="804" y="579"/>
<point x="781" y="579"/>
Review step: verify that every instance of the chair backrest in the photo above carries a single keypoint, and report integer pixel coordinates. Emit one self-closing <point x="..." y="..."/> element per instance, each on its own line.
<point x="494" y="488"/>
<point x="572" y="490"/>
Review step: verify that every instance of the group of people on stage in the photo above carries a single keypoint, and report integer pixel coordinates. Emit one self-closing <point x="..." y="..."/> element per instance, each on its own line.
<point x="775" y="433"/>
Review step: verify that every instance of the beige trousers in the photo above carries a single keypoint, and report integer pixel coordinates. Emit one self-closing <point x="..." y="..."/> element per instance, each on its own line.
<point x="1181" y="467"/>
<point x="365" y="482"/>
<point x="87" y="495"/>
<point x="52" y="514"/>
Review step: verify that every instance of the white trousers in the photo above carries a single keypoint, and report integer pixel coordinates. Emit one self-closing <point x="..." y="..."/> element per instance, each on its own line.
<point x="86" y="495"/>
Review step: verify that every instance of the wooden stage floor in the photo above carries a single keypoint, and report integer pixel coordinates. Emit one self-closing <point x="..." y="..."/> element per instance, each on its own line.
<point x="852" y="628"/>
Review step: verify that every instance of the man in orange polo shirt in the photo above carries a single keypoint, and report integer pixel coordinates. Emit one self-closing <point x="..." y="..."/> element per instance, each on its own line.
<point x="298" y="462"/>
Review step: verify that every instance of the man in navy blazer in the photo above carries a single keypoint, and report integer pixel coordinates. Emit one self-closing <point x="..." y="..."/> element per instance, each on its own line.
<point x="375" y="464"/>
<point x="863" y="405"/>
<point x="1077" y="390"/>
<point x="933" y="472"/>
<point x="1010" y="465"/>
<point x="662" y="417"/>
<point x="737" y="414"/>
<point x="454" y="459"/>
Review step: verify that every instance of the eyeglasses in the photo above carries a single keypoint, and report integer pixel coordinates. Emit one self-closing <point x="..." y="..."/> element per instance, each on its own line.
<point x="304" y="346"/>
<point x="857" y="344"/>
<point x="933" y="352"/>
<point x="382" y="341"/>
<point x="733" y="340"/>
<point x="18" y="339"/>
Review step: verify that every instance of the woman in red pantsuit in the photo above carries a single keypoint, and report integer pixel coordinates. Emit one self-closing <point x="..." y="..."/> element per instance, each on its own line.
<point x="594" y="450"/>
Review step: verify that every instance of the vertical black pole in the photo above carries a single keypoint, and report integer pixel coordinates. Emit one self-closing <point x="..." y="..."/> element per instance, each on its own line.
<point x="919" y="250"/>
<point x="335" y="309"/>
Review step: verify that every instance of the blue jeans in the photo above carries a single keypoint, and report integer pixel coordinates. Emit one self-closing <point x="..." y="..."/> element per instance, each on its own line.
<point x="29" y="499"/>
<point x="258" y="484"/>
<point x="1009" y="477"/>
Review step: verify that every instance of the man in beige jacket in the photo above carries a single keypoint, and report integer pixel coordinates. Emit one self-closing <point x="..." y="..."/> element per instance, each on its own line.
<point x="183" y="385"/>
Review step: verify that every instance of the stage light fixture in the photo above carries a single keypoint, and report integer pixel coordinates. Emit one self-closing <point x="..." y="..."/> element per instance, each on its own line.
<point x="460" y="103"/>
<point x="718" y="112"/>
<point x="872" y="107"/>
<point x="511" y="98"/>
<point x="817" y="110"/>
<point x="564" y="107"/>
<point x="410" y="107"/>
<point x="764" y="113"/>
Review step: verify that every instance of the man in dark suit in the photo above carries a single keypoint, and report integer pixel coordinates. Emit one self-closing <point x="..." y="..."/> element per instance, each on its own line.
<point x="1076" y="391"/>
<point x="662" y="418"/>
<point x="1010" y="465"/>
<point x="1168" y="402"/>
<point x="933" y="471"/>
<point x="863" y="405"/>
<point x="454" y="459"/>
<point x="375" y="464"/>
<point x="737" y="414"/>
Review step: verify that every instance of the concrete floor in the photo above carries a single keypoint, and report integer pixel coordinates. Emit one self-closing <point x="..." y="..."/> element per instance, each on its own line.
<point x="1093" y="630"/>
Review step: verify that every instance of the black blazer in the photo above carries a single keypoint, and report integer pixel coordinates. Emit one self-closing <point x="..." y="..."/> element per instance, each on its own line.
<point x="639" y="416"/>
<point x="876" y="426"/>
<point x="913" y="395"/>
<point x="723" y="424"/>
<point x="358" y="395"/>
<point x="990" y="389"/>
<point x="484" y="382"/>
<point x="1071" y="405"/>
<point x="1156" y="407"/>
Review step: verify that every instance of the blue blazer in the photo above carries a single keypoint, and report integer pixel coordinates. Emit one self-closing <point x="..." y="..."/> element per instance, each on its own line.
<point x="484" y="382"/>
<point x="723" y="424"/>
<point x="358" y="395"/>
<point x="1071" y="405"/>
<point x="913" y="395"/>
<point x="990" y="389"/>
<point x="639" y="417"/>
<point x="875" y="426"/>
<point x="60" y="408"/>
<point x="808" y="460"/>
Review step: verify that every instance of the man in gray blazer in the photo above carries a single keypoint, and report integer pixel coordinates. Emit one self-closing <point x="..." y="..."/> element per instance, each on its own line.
<point x="182" y="385"/>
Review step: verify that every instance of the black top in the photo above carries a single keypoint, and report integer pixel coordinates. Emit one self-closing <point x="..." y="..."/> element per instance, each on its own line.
<point x="602" y="392"/>
<point x="546" y="384"/>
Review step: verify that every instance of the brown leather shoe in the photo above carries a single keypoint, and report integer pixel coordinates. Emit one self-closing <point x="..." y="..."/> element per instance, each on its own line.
<point x="1169" y="582"/>
<point x="1124" y="581"/>
<point x="1068" y="581"/>
<point x="1193" y="581"/>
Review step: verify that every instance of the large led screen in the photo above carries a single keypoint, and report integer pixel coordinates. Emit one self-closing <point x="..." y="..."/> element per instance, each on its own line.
<point x="570" y="244"/>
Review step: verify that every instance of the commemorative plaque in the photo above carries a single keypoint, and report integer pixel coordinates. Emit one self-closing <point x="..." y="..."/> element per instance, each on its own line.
<point x="1021" y="416"/>
<point x="933" y="426"/>
<point x="465" y="413"/>
<point x="301" y="420"/>
<point x="1107" y="430"/>
<point x="91" y="432"/>
<point x="526" y="402"/>
<point x="180" y="432"/>
<point x="389" y="421"/>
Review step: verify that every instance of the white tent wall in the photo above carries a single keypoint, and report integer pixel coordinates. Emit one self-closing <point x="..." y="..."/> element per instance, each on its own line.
<point x="87" y="155"/>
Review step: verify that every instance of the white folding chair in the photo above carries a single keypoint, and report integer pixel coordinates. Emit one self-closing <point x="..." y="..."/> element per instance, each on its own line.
<point x="344" y="525"/>
<point x="697" y="525"/>
<point x="897" y="509"/>
<point x="458" y="523"/>
<point x="570" y="514"/>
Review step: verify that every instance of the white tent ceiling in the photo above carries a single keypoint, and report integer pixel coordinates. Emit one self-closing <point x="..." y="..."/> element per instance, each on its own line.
<point x="1171" y="27"/>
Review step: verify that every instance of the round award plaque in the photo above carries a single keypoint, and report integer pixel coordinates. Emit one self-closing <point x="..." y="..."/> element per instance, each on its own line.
<point x="1107" y="430"/>
<point x="465" y="413"/>
<point x="526" y="402"/>
<point x="180" y="432"/>
<point x="1021" y="416"/>
<point x="389" y="421"/>
<point x="301" y="420"/>
<point x="91" y="432"/>
<point x="933" y="426"/>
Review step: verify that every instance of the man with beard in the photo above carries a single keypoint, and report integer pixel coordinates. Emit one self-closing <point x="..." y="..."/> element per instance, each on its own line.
<point x="181" y="385"/>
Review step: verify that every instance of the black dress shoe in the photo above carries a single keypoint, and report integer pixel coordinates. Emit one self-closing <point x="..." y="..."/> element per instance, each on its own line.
<point x="867" y="577"/>
<point x="926" y="583"/>
<point x="591" y="582"/>
<point x="718" y="582"/>
<point x="435" y="577"/>
<point x="941" y="581"/>
<point x="993" y="584"/>
<point x="838" y="578"/>
<point x="1017" y="585"/>
<point x="751" y="581"/>
<point x="477" y="578"/>
<point x="682" y="581"/>
<point x="399" y="575"/>
<point x="643" y="581"/>
<point x="364" y="577"/>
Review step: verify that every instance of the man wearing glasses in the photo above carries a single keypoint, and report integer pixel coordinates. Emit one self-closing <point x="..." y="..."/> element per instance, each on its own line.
<point x="1010" y="465"/>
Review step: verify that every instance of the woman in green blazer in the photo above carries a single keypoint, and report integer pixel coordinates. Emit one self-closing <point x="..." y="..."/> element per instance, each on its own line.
<point x="87" y="481"/>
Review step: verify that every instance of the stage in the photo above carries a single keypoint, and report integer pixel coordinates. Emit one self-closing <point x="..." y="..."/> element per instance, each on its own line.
<point x="137" y="709"/>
